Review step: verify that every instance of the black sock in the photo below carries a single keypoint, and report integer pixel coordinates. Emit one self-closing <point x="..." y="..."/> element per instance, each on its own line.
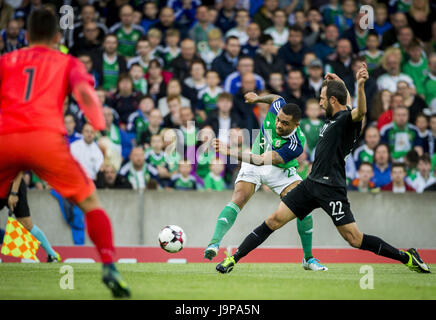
<point x="381" y="248"/>
<point x="252" y="241"/>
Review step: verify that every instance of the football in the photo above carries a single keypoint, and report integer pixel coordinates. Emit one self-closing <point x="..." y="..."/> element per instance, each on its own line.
<point x="172" y="238"/>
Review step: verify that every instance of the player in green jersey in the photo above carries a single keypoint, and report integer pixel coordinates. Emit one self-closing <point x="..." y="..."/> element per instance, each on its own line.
<point x="272" y="162"/>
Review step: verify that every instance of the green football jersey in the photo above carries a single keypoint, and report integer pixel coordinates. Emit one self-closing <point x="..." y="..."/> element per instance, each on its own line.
<point x="127" y="41"/>
<point x="430" y="89"/>
<point x="184" y="183"/>
<point x="209" y="99"/>
<point x="311" y="129"/>
<point x="372" y="60"/>
<point x="213" y="182"/>
<point x="156" y="160"/>
<point x="289" y="147"/>
<point x="418" y="72"/>
<point x="111" y="72"/>
<point x="203" y="163"/>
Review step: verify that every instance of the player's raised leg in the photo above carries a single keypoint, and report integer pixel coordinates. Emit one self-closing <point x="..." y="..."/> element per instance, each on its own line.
<point x="305" y="231"/>
<point x="357" y="239"/>
<point x="242" y="193"/>
<point x="275" y="221"/>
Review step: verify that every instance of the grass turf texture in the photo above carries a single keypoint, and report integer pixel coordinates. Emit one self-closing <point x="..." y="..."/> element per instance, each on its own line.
<point x="201" y="281"/>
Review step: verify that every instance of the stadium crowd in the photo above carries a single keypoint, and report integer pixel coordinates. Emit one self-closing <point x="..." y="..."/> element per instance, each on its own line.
<point x="172" y="75"/>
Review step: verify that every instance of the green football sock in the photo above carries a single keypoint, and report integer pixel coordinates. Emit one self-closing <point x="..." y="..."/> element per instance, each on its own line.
<point x="305" y="229"/>
<point x="226" y="219"/>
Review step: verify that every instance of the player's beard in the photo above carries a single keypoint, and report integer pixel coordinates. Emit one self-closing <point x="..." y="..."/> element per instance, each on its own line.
<point x="329" y="110"/>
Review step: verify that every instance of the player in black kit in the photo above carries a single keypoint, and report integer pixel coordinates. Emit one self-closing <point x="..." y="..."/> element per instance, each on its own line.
<point x="326" y="185"/>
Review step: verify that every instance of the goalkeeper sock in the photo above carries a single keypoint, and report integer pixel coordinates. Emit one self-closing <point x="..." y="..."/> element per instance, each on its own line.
<point x="45" y="244"/>
<point x="100" y="231"/>
<point x="305" y="229"/>
<point x="252" y="241"/>
<point x="226" y="219"/>
<point x="381" y="248"/>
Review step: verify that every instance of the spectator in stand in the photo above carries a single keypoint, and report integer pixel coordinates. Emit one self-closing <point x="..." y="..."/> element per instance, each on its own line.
<point x="314" y="27"/>
<point x="311" y="125"/>
<point x="356" y="34"/>
<point x="245" y="110"/>
<point x="226" y="16"/>
<point x="266" y="60"/>
<point x="125" y="101"/>
<point x="398" y="183"/>
<point x="150" y="11"/>
<point x="264" y="16"/>
<point x="139" y="83"/>
<point x="391" y="62"/>
<point x="154" y="126"/>
<point x="197" y="79"/>
<point x="189" y="130"/>
<point x="108" y="178"/>
<point x="327" y="46"/>
<point x="167" y="20"/>
<point x="381" y="23"/>
<point x="156" y="161"/>
<point x="208" y="97"/>
<point x="433" y="132"/>
<point x="382" y="165"/>
<point x="351" y="83"/>
<point x="172" y="119"/>
<point x="233" y="84"/>
<point x="87" y="153"/>
<point x="13" y="37"/>
<point x="115" y="143"/>
<point x="174" y="88"/>
<point x="127" y="32"/>
<point x="420" y="17"/>
<point x="425" y="177"/>
<point x="430" y="46"/>
<point x="70" y="126"/>
<point x="87" y="14"/>
<point x="276" y="83"/>
<point x="252" y="45"/>
<point x="155" y="39"/>
<point x="330" y="10"/>
<point x="108" y="64"/>
<point x="279" y="31"/>
<point x="184" y="11"/>
<point x="430" y="83"/>
<point x="416" y="66"/>
<point x="157" y="79"/>
<point x="87" y="61"/>
<point x="363" y="183"/>
<point x="380" y="104"/>
<point x="405" y="39"/>
<point x="135" y="171"/>
<point x="365" y="153"/>
<point x="90" y="43"/>
<point x="411" y="162"/>
<point x="411" y="101"/>
<point x="398" y="21"/>
<point x="400" y="135"/>
<point x="183" y="180"/>
<point x="295" y="91"/>
<point x="344" y="20"/>
<point x="293" y="51"/>
<point x="144" y="55"/>
<point x="200" y="31"/>
<point x="213" y="48"/>
<point x="240" y="30"/>
<point x="314" y="82"/>
<point x="372" y="54"/>
<point x="340" y="62"/>
<point x="228" y="60"/>
<point x="225" y="117"/>
<point x="387" y="116"/>
<point x="214" y="180"/>
<point x="138" y="121"/>
<point x="181" y="65"/>
<point x="425" y="134"/>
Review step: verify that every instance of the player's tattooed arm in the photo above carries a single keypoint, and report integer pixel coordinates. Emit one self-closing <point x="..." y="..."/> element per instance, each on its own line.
<point x="270" y="157"/>
<point x="252" y="97"/>
<point x="361" y="76"/>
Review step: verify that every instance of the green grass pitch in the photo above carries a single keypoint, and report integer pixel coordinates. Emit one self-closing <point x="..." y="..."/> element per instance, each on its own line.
<point x="200" y="281"/>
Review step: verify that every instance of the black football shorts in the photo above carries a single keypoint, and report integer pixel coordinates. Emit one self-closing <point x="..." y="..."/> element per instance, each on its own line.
<point x="22" y="208"/>
<point x="310" y="195"/>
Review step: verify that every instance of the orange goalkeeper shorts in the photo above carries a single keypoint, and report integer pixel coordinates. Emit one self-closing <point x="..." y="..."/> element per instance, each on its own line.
<point x="48" y="155"/>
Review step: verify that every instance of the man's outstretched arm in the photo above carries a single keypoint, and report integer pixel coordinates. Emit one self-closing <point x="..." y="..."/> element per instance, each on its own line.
<point x="252" y="97"/>
<point x="359" y="113"/>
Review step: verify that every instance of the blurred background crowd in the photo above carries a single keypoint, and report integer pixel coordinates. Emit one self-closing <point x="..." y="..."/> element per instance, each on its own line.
<point x="172" y="75"/>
